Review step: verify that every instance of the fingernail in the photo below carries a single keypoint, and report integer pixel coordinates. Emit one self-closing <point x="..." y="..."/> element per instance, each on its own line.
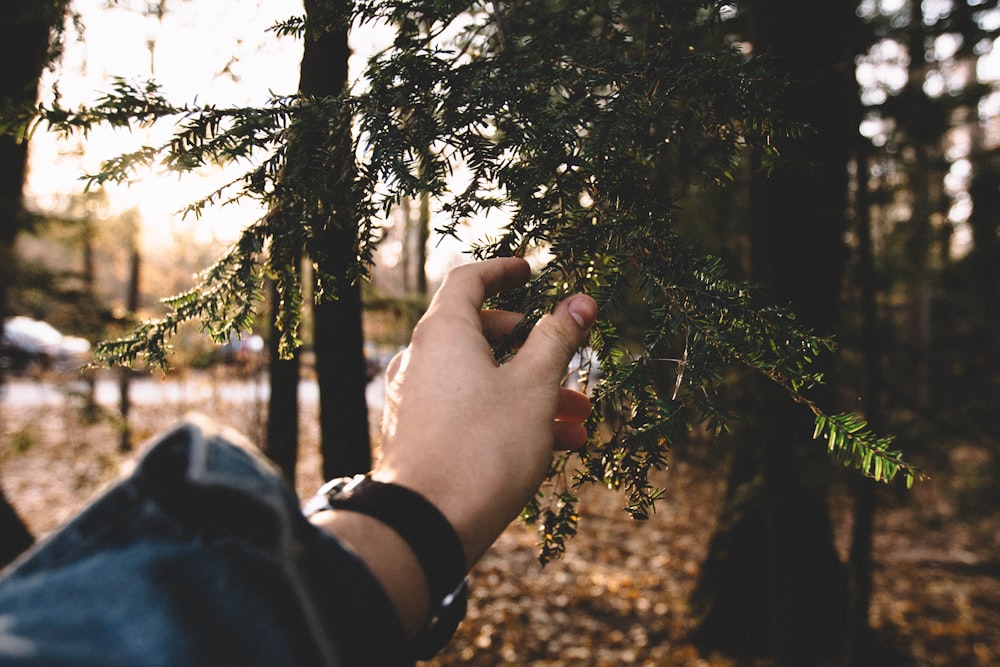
<point x="583" y="310"/>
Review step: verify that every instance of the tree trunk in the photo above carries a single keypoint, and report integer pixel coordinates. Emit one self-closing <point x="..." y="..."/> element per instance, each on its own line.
<point x="281" y="444"/>
<point x="923" y="134"/>
<point x="14" y="534"/>
<point x="132" y="309"/>
<point x="406" y="256"/>
<point x="859" y="562"/>
<point x="416" y="234"/>
<point x="772" y="583"/>
<point x="89" y="309"/>
<point x="338" y="334"/>
<point x="24" y="51"/>
<point x="423" y="237"/>
<point x="340" y="369"/>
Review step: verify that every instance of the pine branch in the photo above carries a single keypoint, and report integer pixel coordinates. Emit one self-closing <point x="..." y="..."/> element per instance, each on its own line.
<point x="223" y="301"/>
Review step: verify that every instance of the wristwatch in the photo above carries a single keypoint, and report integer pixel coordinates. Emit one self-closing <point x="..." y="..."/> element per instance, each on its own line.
<point x="429" y="535"/>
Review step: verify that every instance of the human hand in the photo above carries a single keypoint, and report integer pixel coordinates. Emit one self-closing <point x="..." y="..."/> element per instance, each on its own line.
<point x="473" y="437"/>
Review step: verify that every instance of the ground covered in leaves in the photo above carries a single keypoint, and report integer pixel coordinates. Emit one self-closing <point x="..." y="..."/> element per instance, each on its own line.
<point x="619" y="596"/>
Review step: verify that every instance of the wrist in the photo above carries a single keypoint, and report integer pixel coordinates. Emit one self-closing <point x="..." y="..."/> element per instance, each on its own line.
<point x="410" y="530"/>
<point x="426" y="531"/>
<point x="387" y="557"/>
<point x="460" y="499"/>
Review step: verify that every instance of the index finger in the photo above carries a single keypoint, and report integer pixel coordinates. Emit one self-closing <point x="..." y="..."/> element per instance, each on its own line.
<point x="466" y="287"/>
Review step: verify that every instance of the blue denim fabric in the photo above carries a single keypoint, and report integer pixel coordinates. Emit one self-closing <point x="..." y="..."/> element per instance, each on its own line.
<point x="200" y="557"/>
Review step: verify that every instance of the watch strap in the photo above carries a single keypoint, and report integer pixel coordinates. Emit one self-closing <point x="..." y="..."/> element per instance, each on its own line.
<point x="430" y="536"/>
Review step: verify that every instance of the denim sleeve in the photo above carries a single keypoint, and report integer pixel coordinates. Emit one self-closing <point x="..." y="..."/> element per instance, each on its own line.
<point x="200" y="557"/>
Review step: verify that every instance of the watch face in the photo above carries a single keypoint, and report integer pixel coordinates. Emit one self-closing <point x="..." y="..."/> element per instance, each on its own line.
<point x="334" y="488"/>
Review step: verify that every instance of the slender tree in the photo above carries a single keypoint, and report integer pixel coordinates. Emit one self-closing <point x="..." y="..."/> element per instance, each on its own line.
<point x="320" y="162"/>
<point x="860" y="558"/>
<point x="27" y="45"/>
<point x="281" y="441"/>
<point x="132" y="295"/>
<point x="337" y="335"/>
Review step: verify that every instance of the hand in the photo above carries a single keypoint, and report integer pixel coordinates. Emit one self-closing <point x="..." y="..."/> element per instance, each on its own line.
<point x="473" y="437"/>
<point x="476" y="438"/>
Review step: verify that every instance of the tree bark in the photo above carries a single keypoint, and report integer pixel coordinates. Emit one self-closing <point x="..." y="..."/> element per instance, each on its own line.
<point x="772" y="583"/>
<point x="924" y="133"/>
<point x="859" y="562"/>
<point x="131" y="308"/>
<point x="340" y="368"/>
<point x="281" y="443"/>
<point x="337" y="326"/>
<point x="24" y="52"/>
<point x="858" y="636"/>
<point x="423" y="238"/>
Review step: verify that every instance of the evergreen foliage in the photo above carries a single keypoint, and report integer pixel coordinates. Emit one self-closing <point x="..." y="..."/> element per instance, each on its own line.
<point x="558" y="116"/>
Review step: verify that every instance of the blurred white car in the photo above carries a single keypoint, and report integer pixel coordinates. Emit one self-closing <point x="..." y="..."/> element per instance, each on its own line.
<point x="29" y="346"/>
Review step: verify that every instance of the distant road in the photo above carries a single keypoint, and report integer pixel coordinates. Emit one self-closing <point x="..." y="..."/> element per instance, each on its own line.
<point x="192" y="389"/>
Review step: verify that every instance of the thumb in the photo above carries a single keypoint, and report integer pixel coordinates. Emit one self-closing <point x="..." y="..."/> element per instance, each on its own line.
<point x="556" y="337"/>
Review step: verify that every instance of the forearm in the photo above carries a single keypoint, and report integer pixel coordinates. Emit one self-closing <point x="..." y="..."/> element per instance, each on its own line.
<point x="388" y="557"/>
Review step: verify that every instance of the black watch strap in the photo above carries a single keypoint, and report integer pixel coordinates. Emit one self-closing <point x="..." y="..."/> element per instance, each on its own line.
<point x="429" y="535"/>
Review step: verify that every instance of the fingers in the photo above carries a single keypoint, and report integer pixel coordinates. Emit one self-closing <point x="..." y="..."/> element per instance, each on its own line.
<point x="468" y="285"/>
<point x="568" y="431"/>
<point x="573" y="406"/>
<point x="553" y="341"/>
<point x="498" y="323"/>
<point x="454" y="311"/>
<point x="568" y="435"/>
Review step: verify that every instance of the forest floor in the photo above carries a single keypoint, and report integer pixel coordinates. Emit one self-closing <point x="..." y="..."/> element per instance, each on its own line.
<point x="619" y="597"/>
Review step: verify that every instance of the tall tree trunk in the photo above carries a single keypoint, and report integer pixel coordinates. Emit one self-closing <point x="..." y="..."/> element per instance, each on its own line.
<point x="859" y="563"/>
<point x="24" y="51"/>
<point x="423" y="237"/>
<point x="799" y="219"/>
<point x="321" y="164"/>
<point x="772" y="582"/>
<point x="338" y="335"/>
<point x="340" y="368"/>
<point x="416" y="234"/>
<point x="281" y="443"/>
<point x="89" y="306"/>
<point x="981" y="374"/>
<point x="132" y="309"/>
<point x="14" y="534"/>
<point x="923" y="133"/>
<point x="406" y="255"/>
